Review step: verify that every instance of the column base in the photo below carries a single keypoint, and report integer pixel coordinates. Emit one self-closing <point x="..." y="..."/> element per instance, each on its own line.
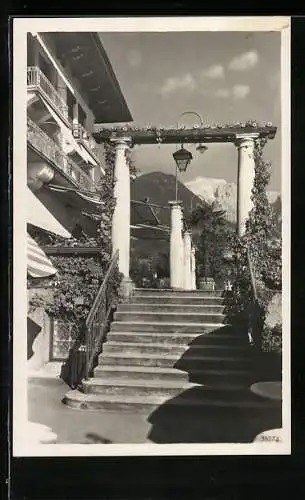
<point x="127" y="288"/>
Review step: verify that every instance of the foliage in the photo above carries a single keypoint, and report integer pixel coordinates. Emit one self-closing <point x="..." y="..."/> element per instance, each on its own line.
<point x="150" y="271"/>
<point x="272" y="339"/>
<point x="211" y="234"/>
<point x="277" y="218"/>
<point x="260" y="247"/>
<point x="36" y="302"/>
<point x="106" y="189"/>
<point x="272" y="270"/>
<point x="77" y="277"/>
<point x="272" y="333"/>
<point x="265" y="250"/>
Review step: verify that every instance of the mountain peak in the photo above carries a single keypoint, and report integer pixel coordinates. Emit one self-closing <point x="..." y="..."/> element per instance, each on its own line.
<point x="222" y="192"/>
<point x="205" y="187"/>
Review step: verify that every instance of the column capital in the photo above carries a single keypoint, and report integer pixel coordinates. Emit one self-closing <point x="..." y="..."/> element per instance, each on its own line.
<point x="245" y="140"/>
<point x="175" y="204"/>
<point x="121" y="142"/>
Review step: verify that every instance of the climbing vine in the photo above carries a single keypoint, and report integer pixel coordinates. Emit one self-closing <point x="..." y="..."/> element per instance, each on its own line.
<point x="264" y="246"/>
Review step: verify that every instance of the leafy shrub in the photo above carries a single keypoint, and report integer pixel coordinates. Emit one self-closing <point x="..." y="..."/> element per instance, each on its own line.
<point x="150" y="271"/>
<point x="272" y="332"/>
<point x="211" y="233"/>
<point x="272" y="339"/>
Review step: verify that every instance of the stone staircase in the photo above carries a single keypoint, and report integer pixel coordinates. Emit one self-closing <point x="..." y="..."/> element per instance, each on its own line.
<point x="172" y="349"/>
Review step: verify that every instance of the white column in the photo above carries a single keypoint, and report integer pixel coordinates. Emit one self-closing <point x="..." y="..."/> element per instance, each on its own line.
<point x="176" y="246"/>
<point x="121" y="215"/>
<point x="193" y="268"/>
<point x="187" y="277"/>
<point x="246" y="174"/>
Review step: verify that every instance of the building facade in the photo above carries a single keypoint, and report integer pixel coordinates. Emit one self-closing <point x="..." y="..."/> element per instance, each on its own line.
<point x="71" y="86"/>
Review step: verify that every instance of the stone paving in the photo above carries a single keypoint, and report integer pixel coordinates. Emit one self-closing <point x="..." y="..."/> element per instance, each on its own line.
<point x="85" y="427"/>
<point x="76" y="426"/>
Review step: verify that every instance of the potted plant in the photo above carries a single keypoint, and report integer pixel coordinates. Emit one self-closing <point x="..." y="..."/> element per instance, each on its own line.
<point x="206" y="283"/>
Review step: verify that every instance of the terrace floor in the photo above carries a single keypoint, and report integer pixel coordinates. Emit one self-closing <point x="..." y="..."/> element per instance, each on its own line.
<point x="103" y="427"/>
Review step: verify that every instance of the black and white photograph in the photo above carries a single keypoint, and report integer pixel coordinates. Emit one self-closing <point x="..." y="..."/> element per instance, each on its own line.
<point x="151" y="192"/>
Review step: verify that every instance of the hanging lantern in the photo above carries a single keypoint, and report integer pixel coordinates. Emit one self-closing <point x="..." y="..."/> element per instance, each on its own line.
<point x="182" y="158"/>
<point x="201" y="148"/>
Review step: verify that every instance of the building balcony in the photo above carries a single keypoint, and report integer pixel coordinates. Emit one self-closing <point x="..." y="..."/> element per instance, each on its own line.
<point x="38" y="82"/>
<point x="48" y="149"/>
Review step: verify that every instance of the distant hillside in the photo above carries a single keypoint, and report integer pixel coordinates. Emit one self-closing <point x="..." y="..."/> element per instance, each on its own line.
<point x="159" y="188"/>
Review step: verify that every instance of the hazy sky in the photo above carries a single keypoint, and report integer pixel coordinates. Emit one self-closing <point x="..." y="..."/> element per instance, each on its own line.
<point x="225" y="76"/>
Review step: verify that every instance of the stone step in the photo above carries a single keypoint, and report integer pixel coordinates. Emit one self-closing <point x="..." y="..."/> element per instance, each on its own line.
<point x="170" y="308"/>
<point x="147" y="404"/>
<point x="168" y="317"/>
<point x="170" y="388"/>
<point x="121" y="372"/>
<point x="139" y="387"/>
<point x="172" y="327"/>
<point x="178" y="293"/>
<point x="172" y="349"/>
<point x="172" y="361"/>
<point x="216" y="339"/>
<point x="234" y="379"/>
<point x="176" y="299"/>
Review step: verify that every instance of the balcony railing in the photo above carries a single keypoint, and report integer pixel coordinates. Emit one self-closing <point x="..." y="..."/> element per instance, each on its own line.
<point x="36" y="80"/>
<point x="47" y="147"/>
<point x="81" y="133"/>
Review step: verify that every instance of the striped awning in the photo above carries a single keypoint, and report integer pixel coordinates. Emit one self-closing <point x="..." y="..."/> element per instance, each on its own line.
<point x="38" y="264"/>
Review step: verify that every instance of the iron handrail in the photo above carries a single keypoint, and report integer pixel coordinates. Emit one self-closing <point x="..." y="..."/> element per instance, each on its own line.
<point x="98" y="317"/>
<point x="254" y="315"/>
<point x="252" y="276"/>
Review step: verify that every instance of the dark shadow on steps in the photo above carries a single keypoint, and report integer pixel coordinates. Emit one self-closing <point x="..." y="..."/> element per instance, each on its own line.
<point x="173" y="424"/>
<point x="219" y="417"/>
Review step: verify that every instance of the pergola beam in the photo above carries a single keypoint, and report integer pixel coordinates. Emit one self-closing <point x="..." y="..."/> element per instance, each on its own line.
<point x="183" y="136"/>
